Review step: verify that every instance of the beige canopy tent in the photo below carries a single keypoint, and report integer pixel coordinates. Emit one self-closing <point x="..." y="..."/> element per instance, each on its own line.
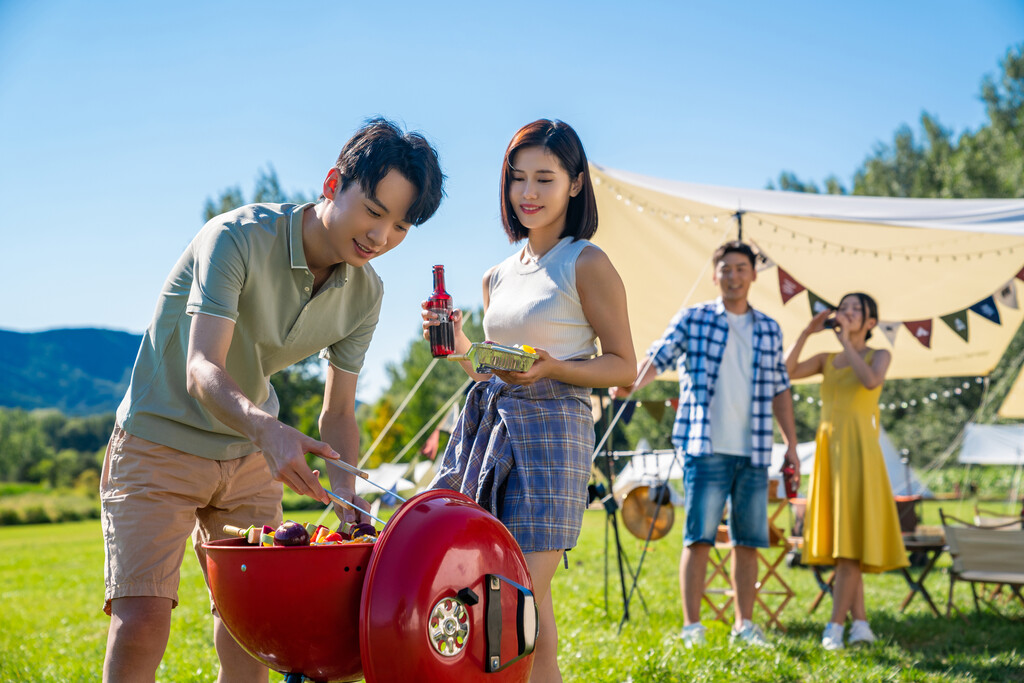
<point x="1013" y="404"/>
<point x="943" y="271"/>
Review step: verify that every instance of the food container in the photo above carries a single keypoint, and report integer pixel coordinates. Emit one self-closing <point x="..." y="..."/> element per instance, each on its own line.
<point x="443" y="595"/>
<point x="487" y="357"/>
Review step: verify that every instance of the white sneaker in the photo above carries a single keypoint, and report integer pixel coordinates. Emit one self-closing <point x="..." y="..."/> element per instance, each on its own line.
<point x="860" y="632"/>
<point x="832" y="639"/>
<point x="694" y="635"/>
<point x="750" y="634"/>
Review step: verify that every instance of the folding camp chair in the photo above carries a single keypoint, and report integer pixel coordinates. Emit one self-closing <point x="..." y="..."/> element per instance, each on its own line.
<point x="991" y="518"/>
<point x="999" y="520"/>
<point x="984" y="555"/>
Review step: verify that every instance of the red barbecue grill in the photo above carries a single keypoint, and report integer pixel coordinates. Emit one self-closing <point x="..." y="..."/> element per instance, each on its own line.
<point x="443" y="595"/>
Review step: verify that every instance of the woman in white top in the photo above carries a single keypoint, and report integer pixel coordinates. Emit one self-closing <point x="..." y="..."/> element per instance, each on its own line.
<point x="524" y="442"/>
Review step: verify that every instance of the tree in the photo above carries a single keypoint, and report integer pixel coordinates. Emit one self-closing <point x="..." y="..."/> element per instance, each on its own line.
<point x="267" y="190"/>
<point x="789" y="182"/>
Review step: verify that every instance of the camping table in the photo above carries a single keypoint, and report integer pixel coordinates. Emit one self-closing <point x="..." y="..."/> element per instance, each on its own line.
<point x="931" y="546"/>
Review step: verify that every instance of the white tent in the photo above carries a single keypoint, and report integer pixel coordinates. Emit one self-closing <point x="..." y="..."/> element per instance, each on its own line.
<point x="647" y="467"/>
<point x="993" y="445"/>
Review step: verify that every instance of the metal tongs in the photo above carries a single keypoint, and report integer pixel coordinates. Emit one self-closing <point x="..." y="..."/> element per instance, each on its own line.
<point x="362" y="475"/>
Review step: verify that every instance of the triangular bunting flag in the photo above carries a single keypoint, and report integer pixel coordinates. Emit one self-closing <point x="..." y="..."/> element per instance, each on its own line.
<point x="1020" y="274"/>
<point x="986" y="308"/>
<point x="922" y="331"/>
<point x="674" y="402"/>
<point x="1007" y="296"/>
<point x="958" y="323"/>
<point x="788" y="287"/>
<point x="761" y="259"/>
<point x="818" y="304"/>
<point x="889" y="329"/>
<point x="763" y="262"/>
<point x="655" y="408"/>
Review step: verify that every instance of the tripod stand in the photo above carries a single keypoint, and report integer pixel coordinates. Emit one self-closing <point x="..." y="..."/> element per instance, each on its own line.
<point x="611" y="508"/>
<point x="662" y="497"/>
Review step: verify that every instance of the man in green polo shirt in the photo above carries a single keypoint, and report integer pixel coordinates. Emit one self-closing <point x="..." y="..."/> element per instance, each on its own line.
<point x="197" y="443"/>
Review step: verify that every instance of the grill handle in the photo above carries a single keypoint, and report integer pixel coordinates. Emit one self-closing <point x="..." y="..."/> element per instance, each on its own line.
<point x="527" y="623"/>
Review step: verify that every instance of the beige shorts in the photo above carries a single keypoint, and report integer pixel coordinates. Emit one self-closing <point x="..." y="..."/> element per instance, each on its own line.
<point x="153" y="497"/>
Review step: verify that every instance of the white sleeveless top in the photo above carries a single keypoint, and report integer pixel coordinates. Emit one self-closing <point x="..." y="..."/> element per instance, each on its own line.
<point x="537" y="303"/>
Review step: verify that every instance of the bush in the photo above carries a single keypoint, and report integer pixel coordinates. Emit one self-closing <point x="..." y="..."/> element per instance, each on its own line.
<point x="985" y="482"/>
<point x="40" y="506"/>
<point x="35" y="514"/>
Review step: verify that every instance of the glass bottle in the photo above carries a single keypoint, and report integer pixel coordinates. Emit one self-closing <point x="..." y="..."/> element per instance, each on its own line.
<point x="789" y="478"/>
<point x="442" y="335"/>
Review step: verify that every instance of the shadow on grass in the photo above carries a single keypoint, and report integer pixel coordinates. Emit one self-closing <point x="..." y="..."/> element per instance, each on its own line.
<point x="982" y="646"/>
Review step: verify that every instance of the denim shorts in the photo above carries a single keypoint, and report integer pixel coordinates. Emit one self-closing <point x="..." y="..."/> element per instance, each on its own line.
<point x="708" y="481"/>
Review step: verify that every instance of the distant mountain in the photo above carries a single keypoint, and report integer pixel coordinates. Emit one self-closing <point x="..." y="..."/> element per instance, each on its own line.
<point x="77" y="371"/>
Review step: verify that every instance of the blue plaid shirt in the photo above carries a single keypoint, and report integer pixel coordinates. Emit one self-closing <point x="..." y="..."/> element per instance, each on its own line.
<point x="695" y="342"/>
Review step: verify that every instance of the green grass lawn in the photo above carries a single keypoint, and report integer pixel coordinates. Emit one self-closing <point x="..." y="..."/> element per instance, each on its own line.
<point x="52" y="627"/>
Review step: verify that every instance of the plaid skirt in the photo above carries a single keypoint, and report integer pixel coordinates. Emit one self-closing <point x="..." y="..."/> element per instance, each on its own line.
<point x="524" y="453"/>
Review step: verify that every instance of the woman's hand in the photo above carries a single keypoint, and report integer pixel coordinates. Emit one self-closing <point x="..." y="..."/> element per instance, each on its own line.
<point x="817" y="323"/>
<point x="430" y="319"/>
<point x="844" y="323"/>
<point x="540" y="368"/>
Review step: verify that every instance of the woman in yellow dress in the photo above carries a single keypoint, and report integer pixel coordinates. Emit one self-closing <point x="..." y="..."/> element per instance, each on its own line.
<point x="851" y="520"/>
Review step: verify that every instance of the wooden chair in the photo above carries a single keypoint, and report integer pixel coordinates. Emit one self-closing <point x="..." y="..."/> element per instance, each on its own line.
<point x="986" y="555"/>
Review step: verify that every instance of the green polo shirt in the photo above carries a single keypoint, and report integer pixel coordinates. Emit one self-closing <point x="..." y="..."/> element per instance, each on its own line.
<point x="248" y="266"/>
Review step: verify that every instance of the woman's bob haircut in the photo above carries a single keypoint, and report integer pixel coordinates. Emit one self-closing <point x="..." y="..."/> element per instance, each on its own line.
<point x="561" y="140"/>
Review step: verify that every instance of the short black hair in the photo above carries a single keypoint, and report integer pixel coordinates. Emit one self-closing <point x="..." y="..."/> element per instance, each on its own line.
<point x="379" y="147"/>
<point x="734" y="247"/>
<point x="562" y="141"/>
<point x="868" y="306"/>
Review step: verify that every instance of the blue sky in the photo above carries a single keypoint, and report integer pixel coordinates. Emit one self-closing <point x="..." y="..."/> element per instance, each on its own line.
<point x="118" y="120"/>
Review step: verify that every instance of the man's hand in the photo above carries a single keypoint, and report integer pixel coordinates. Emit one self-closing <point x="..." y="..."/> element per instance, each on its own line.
<point x="620" y="392"/>
<point x="285" y="451"/>
<point x="793" y="460"/>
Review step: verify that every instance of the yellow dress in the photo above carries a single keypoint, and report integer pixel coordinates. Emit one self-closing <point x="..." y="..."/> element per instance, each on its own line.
<point x="851" y="512"/>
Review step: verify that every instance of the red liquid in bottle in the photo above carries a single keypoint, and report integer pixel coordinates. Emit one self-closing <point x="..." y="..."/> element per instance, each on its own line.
<point x="442" y="336"/>
<point x="789" y="479"/>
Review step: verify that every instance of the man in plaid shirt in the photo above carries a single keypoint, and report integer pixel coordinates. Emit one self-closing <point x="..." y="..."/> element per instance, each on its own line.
<point x="732" y="379"/>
